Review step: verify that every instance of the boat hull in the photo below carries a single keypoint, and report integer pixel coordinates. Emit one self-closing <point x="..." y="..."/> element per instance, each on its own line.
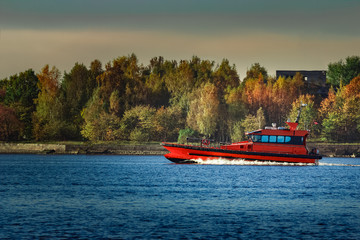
<point x="189" y="154"/>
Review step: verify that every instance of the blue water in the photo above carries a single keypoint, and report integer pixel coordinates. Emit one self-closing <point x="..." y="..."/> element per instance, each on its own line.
<point x="147" y="197"/>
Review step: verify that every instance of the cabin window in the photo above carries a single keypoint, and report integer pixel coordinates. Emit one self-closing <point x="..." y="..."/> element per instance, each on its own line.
<point x="298" y="140"/>
<point x="272" y="139"/>
<point x="256" y="138"/>
<point x="295" y="140"/>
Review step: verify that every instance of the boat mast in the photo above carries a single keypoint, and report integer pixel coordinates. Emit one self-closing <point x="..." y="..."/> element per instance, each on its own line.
<point x="299" y="112"/>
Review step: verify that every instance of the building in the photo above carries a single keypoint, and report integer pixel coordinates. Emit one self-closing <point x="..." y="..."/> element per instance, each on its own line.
<point x="312" y="77"/>
<point x="315" y="81"/>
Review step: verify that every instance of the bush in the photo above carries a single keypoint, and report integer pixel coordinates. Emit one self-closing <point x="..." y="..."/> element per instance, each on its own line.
<point x="185" y="133"/>
<point x="137" y="135"/>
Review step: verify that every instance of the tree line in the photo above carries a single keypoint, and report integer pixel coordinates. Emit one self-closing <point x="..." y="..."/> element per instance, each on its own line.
<point x="168" y="100"/>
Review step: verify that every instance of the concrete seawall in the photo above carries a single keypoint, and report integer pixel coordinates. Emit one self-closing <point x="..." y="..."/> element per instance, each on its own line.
<point x="327" y="150"/>
<point x="33" y="148"/>
<point x="336" y="150"/>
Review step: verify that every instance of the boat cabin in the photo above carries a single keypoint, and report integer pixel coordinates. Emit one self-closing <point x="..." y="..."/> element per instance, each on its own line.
<point x="274" y="140"/>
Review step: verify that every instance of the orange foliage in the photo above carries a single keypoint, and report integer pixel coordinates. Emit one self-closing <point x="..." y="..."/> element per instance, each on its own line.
<point x="49" y="80"/>
<point x="327" y="104"/>
<point x="275" y="98"/>
<point x="353" y="88"/>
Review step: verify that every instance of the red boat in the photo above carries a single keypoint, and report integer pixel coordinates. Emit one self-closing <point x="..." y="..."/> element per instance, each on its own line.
<point x="269" y="144"/>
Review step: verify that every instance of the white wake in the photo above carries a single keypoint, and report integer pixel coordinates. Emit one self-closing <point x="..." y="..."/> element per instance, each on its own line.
<point x="222" y="161"/>
<point x="339" y="164"/>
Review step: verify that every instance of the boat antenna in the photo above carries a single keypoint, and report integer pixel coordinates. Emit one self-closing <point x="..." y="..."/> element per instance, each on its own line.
<point x="299" y="112"/>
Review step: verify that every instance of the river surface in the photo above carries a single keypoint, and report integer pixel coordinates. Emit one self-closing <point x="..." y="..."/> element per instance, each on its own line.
<point x="147" y="197"/>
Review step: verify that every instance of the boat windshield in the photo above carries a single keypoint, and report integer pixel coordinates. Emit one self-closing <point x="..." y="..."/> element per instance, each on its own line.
<point x="296" y="140"/>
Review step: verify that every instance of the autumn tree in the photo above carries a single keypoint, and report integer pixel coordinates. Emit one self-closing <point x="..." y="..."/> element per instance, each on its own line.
<point x="48" y="117"/>
<point x="256" y="94"/>
<point x="285" y="91"/>
<point x="20" y="91"/>
<point x="342" y="121"/>
<point x="10" y="126"/>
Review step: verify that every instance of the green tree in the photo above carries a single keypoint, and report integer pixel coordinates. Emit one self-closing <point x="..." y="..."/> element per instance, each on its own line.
<point x="343" y="72"/>
<point x="125" y="76"/>
<point x="187" y="133"/>
<point x="74" y="95"/>
<point x="256" y="71"/>
<point x="248" y="124"/>
<point x="137" y="124"/>
<point x="93" y="128"/>
<point x="308" y="113"/>
<point x="167" y="123"/>
<point x="188" y="76"/>
<point x="237" y="133"/>
<point x="99" y="125"/>
<point x="157" y="92"/>
<point x="95" y="71"/>
<point x="226" y="76"/>
<point x="203" y="115"/>
<point x="254" y="122"/>
<point x="236" y="112"/>
<point x="74" y="86"/>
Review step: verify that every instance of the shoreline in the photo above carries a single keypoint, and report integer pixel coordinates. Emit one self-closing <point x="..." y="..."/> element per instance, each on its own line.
<point x="82" y="149"/>
<point x="326" y="150"/>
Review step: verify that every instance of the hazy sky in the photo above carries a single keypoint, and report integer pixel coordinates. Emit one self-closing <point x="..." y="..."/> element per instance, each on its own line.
<point x="279" y="34"/>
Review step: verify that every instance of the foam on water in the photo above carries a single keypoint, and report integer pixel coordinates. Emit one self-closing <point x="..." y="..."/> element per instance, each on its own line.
<point x="338" y="164"/>
<point x="222" y="161"/>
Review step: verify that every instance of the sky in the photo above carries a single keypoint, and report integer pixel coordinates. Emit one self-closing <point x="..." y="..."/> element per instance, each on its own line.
<point x="278" y="34"/>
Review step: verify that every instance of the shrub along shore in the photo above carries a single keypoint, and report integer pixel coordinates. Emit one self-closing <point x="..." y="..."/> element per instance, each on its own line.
<point x="327" y="150"/>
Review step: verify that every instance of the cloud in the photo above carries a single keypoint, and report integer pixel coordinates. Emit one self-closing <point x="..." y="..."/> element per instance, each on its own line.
<point x="325" y="17"/>
<point x="23" y="49"/>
